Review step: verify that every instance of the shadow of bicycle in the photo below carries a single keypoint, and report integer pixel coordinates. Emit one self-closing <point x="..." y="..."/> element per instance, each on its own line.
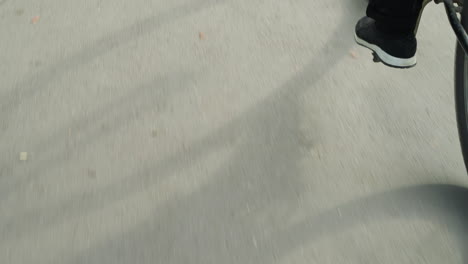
<point x="194" y="225"/>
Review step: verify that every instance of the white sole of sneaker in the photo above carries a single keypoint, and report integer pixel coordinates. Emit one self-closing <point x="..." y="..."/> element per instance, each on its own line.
<point x="387" y="58"/>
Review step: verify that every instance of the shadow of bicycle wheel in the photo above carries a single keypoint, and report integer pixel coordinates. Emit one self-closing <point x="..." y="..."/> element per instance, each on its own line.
<point x="436" y="203"/>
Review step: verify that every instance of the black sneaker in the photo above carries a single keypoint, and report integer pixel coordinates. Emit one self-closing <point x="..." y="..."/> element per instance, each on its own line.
<point x="394" y="50"/>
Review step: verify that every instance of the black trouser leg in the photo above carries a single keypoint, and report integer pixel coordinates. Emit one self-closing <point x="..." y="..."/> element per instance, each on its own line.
<point x="395" y="16"/>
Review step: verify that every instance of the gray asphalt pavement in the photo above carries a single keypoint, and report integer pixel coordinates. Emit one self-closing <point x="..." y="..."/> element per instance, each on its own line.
<point x="220" y="131"/>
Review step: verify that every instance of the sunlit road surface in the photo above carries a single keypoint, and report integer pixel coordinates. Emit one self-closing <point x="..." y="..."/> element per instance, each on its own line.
<point x="211" y="131"/>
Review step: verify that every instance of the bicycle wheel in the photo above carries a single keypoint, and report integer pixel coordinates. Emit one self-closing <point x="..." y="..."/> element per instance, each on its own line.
<point x="461" y="91"/>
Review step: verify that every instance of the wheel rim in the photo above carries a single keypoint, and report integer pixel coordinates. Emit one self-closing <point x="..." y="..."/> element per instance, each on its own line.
<point x="465" y="86"/>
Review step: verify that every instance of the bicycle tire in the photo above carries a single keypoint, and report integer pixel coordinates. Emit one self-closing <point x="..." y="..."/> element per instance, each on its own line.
<point x="461" y="91"/>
